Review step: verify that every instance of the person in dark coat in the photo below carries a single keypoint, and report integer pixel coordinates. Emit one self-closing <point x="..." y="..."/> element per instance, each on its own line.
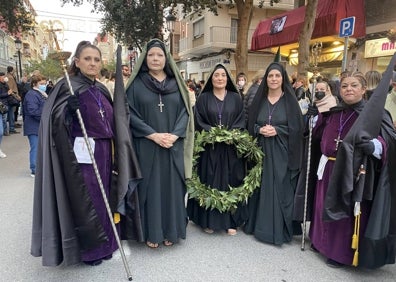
<point x="354" y="177"/>
<point x="70" y="220"/>
<point x="247" y="100"/>
<point x="219" y="167"/>
<point x="162" y="129"/>
<point x="5" y="91"/>
<point x="275" y="119"/>
<point x="33" y="104"/>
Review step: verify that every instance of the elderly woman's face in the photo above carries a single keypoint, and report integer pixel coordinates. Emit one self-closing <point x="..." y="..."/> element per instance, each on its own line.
<point x="155" y="59"/>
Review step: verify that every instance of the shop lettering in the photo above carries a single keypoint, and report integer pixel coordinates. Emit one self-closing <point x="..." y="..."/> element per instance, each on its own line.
<point x="388" y="46"/>
<point x="209" y="64"/>
<point x="381" y="47"/>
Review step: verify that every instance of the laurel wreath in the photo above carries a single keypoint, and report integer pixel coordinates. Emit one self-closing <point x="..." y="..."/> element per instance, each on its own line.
<point x="247" y="148"/>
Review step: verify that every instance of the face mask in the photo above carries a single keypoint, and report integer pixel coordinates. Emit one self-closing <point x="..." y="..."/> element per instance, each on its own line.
<point x="5" y="79"/>
<point x="241" y="83"/>
<point x="319" y="95"/>
<point x="42" y="87"/>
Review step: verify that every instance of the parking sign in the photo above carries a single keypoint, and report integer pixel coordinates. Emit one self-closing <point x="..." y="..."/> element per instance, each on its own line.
<point x="347" y="27"/>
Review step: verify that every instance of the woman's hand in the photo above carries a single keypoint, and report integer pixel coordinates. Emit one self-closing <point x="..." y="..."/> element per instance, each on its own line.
<point x="268" y="130"/>
<point x="164" y="140"/>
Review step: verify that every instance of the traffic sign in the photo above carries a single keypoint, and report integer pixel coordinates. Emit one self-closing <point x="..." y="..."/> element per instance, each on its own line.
<point x="347" y="27"/>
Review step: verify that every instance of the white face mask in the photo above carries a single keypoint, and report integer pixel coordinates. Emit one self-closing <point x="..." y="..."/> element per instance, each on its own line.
<point x="5" y="79"/>
<point x="241" y="83"/>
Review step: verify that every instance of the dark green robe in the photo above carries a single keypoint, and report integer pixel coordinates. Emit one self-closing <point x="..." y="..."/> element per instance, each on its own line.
<point x="162" y="190"/>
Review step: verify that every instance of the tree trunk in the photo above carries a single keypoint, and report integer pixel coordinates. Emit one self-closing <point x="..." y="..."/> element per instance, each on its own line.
<point x="245" y="13"/>
<point x="305" y="37"/>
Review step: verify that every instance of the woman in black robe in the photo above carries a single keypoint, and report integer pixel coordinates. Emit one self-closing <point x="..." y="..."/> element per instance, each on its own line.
<point x="275" y="119"/>
<point x="219" y="167"/>
<point x="162" y="129"/>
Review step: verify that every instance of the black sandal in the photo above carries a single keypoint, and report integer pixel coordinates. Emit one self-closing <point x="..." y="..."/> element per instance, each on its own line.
<point x="93" y="262"/>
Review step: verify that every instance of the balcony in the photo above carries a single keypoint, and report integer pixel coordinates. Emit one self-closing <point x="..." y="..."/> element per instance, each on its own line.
<point x="219" y="38"/>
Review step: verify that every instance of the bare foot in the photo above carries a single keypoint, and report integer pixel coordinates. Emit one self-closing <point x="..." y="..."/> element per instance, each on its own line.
<point x="231" y="232"/>
<point x="168" y="243"/>
<point x="152" y="245"/>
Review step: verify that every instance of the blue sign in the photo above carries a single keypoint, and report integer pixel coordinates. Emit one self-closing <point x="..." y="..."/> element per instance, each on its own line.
<point x="347" y="27"/>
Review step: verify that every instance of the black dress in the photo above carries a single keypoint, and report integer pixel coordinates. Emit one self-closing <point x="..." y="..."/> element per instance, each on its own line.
<point x="218" y="166"/>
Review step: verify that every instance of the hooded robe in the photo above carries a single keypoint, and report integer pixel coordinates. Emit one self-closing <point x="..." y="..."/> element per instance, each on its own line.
<point x="218" y="166"/>
<point x="162" y="107"/>
<point x="271" y="206"/>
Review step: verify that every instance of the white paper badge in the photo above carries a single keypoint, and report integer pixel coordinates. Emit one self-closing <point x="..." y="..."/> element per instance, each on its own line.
<point x="81" y="150"/>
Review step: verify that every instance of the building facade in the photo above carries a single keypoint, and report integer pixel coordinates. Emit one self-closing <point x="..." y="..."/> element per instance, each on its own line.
<point x="201" y="40"/>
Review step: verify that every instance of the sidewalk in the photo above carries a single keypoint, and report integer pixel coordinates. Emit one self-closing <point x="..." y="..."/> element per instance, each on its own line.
<point x="201" y="257"/>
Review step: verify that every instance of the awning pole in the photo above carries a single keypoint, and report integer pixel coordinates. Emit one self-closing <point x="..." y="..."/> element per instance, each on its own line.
<point x="344" y="58"/>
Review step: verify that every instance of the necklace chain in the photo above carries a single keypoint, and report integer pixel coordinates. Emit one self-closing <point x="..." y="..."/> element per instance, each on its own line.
<point x="98" y="100"/>
<point x="220" y="108"/>
<point x="271" y="111"/>
<point x="341" y="128"/>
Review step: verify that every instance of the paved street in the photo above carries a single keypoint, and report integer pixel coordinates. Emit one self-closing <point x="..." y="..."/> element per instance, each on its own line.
<point x="201" y="257"/>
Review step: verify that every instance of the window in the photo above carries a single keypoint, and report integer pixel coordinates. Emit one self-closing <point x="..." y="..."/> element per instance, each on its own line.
<point x="198" y="28"/>
<point x="233" y="31"/>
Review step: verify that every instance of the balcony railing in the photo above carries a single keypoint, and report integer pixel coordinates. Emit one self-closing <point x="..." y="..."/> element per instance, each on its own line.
<point x="221" y="37"/>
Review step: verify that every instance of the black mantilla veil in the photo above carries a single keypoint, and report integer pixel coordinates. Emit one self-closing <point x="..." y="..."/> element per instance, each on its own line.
<point x="230" y="81"/>
<point x="295" y="121"/>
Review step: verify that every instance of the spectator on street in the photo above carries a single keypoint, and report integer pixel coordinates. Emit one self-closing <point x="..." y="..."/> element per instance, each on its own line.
<point x="33" y="107"/>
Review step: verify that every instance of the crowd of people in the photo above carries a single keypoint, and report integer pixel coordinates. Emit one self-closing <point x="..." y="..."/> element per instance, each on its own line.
<point x="142" y="157"/>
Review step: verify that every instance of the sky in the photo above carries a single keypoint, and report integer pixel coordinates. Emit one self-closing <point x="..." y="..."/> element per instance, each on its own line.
<point x="78" y="22"/>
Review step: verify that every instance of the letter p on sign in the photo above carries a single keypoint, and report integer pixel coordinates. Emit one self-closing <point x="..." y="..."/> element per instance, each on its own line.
<point x="347" y="27"/>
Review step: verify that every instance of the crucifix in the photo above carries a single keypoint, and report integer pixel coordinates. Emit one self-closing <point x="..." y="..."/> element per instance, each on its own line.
<point x="101" y="112"/>
<point x="160" y="105"/>
<point x="337" y="141"/>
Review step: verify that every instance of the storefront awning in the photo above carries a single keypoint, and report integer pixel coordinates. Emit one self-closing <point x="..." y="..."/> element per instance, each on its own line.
<point x="285" y="28"/>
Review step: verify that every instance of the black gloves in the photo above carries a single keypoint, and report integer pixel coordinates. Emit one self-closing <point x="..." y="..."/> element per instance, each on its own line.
<point x="312" y="110"/>
<point x="73" y="103"/>
<point x="367" y="147"/>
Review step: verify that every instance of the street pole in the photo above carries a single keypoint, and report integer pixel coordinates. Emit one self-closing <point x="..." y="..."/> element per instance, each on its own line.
<point x="344" y="59"/>
<point x="16" y="67"/>
<point x="171" y="43"/>
<point x="18" y="46"/>
<point x="20" y="64"/>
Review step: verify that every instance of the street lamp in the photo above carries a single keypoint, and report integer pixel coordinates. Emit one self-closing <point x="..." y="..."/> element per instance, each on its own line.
<point x="18" y="46"/>
<point x="170" y="25"/>
<point x="16" y="65"/>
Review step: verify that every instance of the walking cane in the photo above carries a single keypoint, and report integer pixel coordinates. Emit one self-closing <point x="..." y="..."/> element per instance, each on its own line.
<point x="62" y="56"/>
<point x="304" y="228"/>
<point x="316" y="50"/>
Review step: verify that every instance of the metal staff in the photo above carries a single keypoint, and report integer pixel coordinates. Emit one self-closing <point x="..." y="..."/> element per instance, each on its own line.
<point x="316" y="50"/>
<point x="61" y="56"/>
